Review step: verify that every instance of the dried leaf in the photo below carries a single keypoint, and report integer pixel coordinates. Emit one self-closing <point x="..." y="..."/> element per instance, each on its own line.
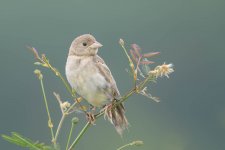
<point x="83" y="108"/>
<point x="147" y="55"/>
<point x="133" y="56"/>
<point x="146" y="62"/>
<point x="36" y="55"/>
<point x="137" y="49"/>
<point x="78" y="100"/>
<point x="144" y="92"/>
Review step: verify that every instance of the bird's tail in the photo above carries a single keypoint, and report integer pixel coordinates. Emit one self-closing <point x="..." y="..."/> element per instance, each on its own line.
<point x="117" y="117"/>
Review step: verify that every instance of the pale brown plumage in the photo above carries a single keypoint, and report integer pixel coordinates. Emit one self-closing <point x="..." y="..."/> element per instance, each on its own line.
<point x="88" y="74"/>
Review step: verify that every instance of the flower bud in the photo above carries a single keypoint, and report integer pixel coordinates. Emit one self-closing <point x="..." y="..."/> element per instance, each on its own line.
<point x="138" y="143"/>
<point x="38" y="73"/>
<point x="121" y="41"/>
<point x="75" y="120"/>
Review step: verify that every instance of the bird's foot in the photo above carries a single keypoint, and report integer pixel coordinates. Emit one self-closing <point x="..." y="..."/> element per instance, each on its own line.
<point x="90" y="117"/>
<point x="108" y="110"/>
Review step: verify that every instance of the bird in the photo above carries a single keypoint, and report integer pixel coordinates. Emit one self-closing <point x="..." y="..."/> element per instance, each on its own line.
<point x="90" y="77"/>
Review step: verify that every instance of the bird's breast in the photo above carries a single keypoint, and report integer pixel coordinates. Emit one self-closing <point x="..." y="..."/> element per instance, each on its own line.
<point x="86" y="79"/>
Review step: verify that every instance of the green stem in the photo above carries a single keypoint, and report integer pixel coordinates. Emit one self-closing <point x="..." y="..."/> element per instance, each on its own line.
<point x="60" y="76"/>
<point x="79" y="135"/>
<point x="59" y="127"/>
<point x="27" y="142"/>
<point x="124" y="146"/>
<point x="69" y="137"/>
<point x="149" y="78"/>
<point x="50" y="125"/>
<point x="125" y="50"/>
<point x="134" y="143"/>
<point x="67" y="86"/>
<point x="124" y="98"/>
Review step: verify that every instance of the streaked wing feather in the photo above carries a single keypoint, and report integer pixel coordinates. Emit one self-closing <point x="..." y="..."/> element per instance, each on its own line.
<point x="103" y="68"/>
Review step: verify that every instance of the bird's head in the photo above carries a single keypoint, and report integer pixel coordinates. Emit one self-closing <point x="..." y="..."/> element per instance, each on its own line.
<point x="84" y="45"/>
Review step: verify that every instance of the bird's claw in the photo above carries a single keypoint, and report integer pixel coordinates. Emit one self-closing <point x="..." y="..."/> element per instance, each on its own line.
<point x="90" y="117"/>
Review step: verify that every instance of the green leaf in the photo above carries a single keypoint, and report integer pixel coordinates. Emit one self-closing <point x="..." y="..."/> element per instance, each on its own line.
<point x="19" y="140"/>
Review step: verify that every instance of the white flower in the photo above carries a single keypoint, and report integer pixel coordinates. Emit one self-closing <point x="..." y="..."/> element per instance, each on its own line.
<point x="162" y="70"/>
<point x="65" y="105"/>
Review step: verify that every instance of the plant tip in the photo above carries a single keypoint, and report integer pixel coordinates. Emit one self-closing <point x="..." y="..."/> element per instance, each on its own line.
<point x="75" y="120"/>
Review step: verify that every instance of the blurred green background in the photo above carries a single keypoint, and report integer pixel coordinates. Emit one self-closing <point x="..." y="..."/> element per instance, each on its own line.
<point x="190" y="34"/>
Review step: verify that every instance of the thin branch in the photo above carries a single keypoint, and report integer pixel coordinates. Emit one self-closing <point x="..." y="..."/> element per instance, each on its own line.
<point x="59" y="127"/>
<point x="121" y="100"/>
<point x="59" y="101"/>
<point x="80" y="135"/>
<point x="69" y="137"/>
<point x="50" y="124"/>
<point x="136" y="143"/>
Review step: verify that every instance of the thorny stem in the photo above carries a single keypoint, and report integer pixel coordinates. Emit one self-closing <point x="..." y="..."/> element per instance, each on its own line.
<point x="50" y="125"/>
<point x="69" y="137"/>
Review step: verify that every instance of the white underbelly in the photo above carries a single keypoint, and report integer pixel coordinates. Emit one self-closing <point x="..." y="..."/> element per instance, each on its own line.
<point x="91" y="86"/>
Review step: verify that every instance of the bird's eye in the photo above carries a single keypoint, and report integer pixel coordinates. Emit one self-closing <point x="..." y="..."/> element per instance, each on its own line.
<point x="84" y="44"/>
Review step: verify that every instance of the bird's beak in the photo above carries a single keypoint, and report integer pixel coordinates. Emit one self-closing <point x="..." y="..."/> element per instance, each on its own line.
<point x="96" y="45"/>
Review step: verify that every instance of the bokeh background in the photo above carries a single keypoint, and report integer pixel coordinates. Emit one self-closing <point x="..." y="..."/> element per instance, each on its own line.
<point x="189" y="34"/>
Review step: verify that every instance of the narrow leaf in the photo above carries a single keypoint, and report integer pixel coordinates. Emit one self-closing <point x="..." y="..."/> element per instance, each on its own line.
<point x="147" y="55"/>
<point x="137" y="49"/>
<point x="146" y="62"/>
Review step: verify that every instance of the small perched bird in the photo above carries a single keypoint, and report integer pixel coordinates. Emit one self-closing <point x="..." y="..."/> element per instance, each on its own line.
<point x="90" y="77"/>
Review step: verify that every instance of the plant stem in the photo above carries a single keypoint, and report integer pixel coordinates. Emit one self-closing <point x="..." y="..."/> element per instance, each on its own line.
<point x="69" y="137"/>
<point x="149" y="78"/>
<point x="125" y="97"/>
<point x="27" y="142"/>
<point x="60" y="76"/>
<point x="50" y="124"/>
<point x="67" y="86"/>
<point x="80" y="135"/>
<point x="134" y="143"/>
<point x="124" y="146"/>
<point x="59" y="127"/>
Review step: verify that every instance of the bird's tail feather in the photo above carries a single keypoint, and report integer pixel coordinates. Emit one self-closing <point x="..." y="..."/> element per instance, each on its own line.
<point x="117" y="117"/>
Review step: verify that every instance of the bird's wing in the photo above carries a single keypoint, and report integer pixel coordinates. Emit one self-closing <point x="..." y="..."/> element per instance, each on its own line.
<point x="104" y="70"/>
